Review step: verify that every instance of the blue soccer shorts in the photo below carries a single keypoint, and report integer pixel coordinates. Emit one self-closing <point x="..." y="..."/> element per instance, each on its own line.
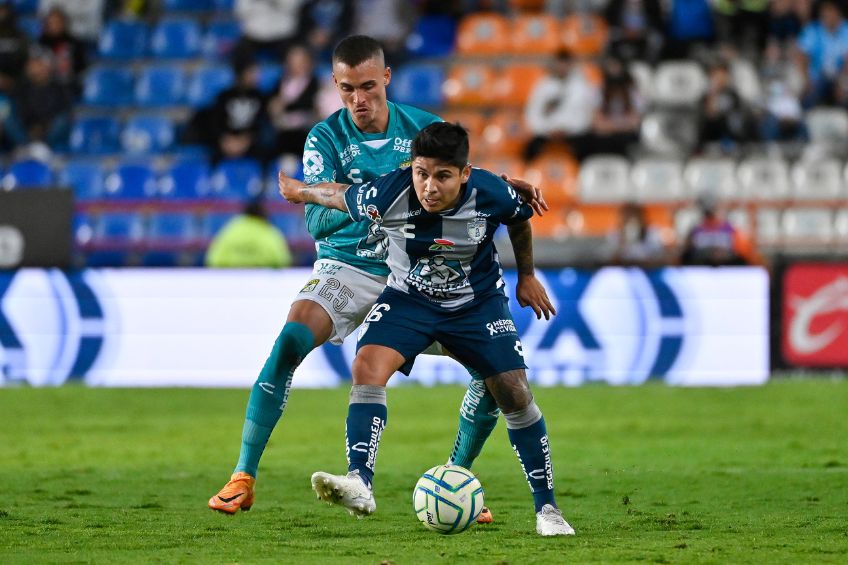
<point x="482" y="336"/>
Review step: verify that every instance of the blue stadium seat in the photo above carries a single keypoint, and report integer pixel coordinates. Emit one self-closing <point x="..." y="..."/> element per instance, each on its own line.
<point x="224" y="5"/>
<point x="418" y="84"/>
<point x="160" y="85"/>
<point x="176" y="38"/>
<point x="212" y="222"/>
<point x="83" y="224"/>
<point x="31" y="27"/>
<point x="207" y="82"/>
<point x="292" y="224"/>
<point x="175" y="228"/>
<point x="124" y="227"/>
<point x="29" y="173"/>
<point x="237" y="179"/>
<point x="108" y="86"/>
<point x="123" y="40"/>
<point x="291" y="165"/>
<point x="131" y="181"/>
<point x="187" y="5"/>
<point x="185" y="181"/>
<point x="25" y="6"/>
<point x="85" y="177"/>
<point x="269" y="76"/>
<point x="95" y="135"/>
<point x="147" y="134"/>
<point x="220" y="38"/>
<point x="432" y="36"/>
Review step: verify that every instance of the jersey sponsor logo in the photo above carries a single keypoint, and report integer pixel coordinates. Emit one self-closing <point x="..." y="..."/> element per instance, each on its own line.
<point x="349" y="154"/>
<point x="402" y="145"/>
<point x="503" y="326"/>
<point x="411" y="213"/>
<point x="442" y="245"/>
<point x="476" y="230"/>
<point x="310" y="286"/>
<point x="438" y="276"/>
<point x="313" y="163"/>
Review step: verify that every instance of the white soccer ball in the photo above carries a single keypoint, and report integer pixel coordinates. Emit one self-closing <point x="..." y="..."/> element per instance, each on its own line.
<point x="447" y="499"/>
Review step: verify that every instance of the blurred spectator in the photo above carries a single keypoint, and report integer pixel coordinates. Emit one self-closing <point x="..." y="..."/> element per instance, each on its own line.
<point x="10" y="128"/>
<point x="636" y="243"/>
<point x="331" y="22"/>
<point x="743" y="22"/>
<point x="823" y="46"/>
<point x="635" y="29"/>
<point x="68" y="53"/>
<point x="270" y="27"/>
<point x="714" y="241"/>
<point x="387" y="21"/>
<point x="783" y="117"/>
<point x="292" y="109"/>
<point x="560" y="108"/>
<point x="85" y="16"/>
<point x="616" y="121"/>
<point x="724" y="116"/>
<point x="249" y="240"/>
<point x="237" y="116"/>
<point x="43" y="102"/>
<point x="784" y="22"/>
<point x="13" y="49"/>
<point x="690" y="24"/>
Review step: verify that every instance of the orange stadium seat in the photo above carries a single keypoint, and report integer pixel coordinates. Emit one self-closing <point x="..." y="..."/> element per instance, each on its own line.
<point x="472" y="120"/>
<point x="504" y="135"/>
<point x="593" y="73"/>
<point x="511" y="166"/>
<point x="534" y="34"/>
<point x="584" y="34"/>
<point x="527" y="5"/>
<point x="556" y="174"/>
<point x="484" y="33"/>
<point x="515" y="82"/>
<point x="469" y="85"/>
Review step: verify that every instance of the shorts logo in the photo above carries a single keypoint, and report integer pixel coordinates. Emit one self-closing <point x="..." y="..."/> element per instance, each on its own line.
<point x="501" y="327"/>
<point x="310" y="286"/>
<point x="477" y="230"/>
<point x="442" y="245"/>
<point x="328" y="269"/>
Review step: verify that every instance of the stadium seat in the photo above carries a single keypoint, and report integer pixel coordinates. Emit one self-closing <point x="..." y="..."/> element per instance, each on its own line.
<point x="740" y="218"/>
<point x="132" y="181"/>
<point x="176" y="38"/>
<point x="658" y="180"/>
<point x="147" y="134"/>
<point x="716" y="175"/>
<point x="84" y="177"/>
<point x="504" y="135"/>
<point x="669" y="132"/>
<point x="515" y="82"/>
<point x="187" y="5"/>
<point x="95" y="135"/>
<point x="643" y="75"/>
<point x="236" y="179"/>
<point x="584" y="34"/>
<point x="433" y="36"/>
<point x="483" y="33"/>
<point x="172" y="228"/>
<point x="28" y="173"/>
<point x="418" y="84"/>
<point x="684" y="220"/>
<point x="212" y="222"/>
<point x="31" y="27"/>
<point x="534" y="34"/>
<point x="763" y="178"/>
<point x="807" y="226"/>
<point x="25" y="6"/>
<point x="292" y="224"/>
<point x="119" y="227"/>
<point x="185" y="181"/>
<point x="605" y="178"/>
<point x="827" y="125"/>
<point x="556" y="174"/>
<point x="678" y="83"/>
<point x="269" y="76"/>
<point x="768" y="227"/>
<point x="206" y="83"/>
<point x="123" y="40"/>
<point x="108" y="86"/>
<point x="224" y="5"/>
<point x="747" y="81"/>
<point x="512" y="166"/>
<point x="83" y="225"/>
<point x="219" y="38"/>
<point x="471" y="120"/>
<point x="527" y="5"/>
<point x="469" y="84"/>
<point x="160" y="85"/>
<point x="817" y="180"/>
<point x="840" y="226"/>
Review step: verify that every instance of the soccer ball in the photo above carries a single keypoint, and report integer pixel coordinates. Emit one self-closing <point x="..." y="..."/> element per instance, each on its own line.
<point x="447" y="499"/>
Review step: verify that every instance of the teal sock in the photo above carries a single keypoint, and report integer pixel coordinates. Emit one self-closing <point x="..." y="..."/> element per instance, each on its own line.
<point x="478" y="416"/>
<point x="271" y="392"/>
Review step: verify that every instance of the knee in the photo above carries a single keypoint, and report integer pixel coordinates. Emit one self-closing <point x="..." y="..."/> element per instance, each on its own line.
<point x="370" y="368"/>
<point x="294" y="342"/>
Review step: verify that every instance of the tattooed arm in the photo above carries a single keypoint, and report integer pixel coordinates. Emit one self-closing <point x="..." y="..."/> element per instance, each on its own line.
<point x="529" y="291"/>
<point x="327" y="194"/>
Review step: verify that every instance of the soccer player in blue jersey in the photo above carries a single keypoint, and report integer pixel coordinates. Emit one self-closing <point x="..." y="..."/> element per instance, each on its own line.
<point x="367" y="138"/>
<point x="445" y="285"/>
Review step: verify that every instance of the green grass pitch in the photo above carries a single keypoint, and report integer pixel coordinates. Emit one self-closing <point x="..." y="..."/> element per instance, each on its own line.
<point x="644" y="474"/>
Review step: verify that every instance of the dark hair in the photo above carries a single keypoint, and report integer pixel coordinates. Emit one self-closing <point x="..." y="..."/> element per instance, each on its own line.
<point x="357" y="49"/>
<point x="443" y="141"/>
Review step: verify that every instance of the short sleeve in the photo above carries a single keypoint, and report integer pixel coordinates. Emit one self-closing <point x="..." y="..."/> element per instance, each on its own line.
<point x="514" y="209"/>
<point x="318" y="158"/>
<point x="368" y="201"/>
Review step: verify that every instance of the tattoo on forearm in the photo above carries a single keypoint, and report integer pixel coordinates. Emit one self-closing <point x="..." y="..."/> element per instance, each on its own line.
<point x="521" y="237"/>
<point x="327" y="194"/>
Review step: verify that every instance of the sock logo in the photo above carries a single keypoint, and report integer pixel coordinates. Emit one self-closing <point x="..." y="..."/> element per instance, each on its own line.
<point x="267" y="387"/>
<point x="377" y="427"/>
<point x="549" y="467"/>
<point x="361" y="447"/>
<point x="471" y="400"/>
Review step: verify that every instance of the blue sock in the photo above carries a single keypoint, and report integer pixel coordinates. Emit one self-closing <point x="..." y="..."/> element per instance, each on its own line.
<point x="366" y="419"/>
<point x="271" y="392"/>
<point x="478" y="416"/>
<point x="530" y="442"/>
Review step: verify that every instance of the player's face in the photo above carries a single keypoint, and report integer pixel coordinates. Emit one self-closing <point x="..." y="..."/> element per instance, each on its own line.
<point x="437" y="184"/>
<point x="363" y="92"/>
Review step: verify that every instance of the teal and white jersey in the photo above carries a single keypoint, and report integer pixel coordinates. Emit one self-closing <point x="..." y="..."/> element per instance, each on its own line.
<point x="337" y="151"/>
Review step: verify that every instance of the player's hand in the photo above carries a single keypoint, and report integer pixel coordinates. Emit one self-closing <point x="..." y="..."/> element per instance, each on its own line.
<point x="530" y="292"/>
<point x="289" y="188"/>
<point x="531" y="194"/>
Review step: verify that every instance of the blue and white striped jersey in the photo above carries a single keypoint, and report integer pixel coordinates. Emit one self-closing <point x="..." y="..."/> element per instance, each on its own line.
<point x="446" y="259"/>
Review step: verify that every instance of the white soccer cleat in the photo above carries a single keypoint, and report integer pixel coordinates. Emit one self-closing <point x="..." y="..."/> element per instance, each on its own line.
<point x="348" y="490"/>
<point x="549" y="522"/>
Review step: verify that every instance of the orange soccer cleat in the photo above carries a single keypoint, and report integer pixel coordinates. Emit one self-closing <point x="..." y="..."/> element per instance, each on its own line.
<point x="238" y="493"/>
<point x="485" y="516"/>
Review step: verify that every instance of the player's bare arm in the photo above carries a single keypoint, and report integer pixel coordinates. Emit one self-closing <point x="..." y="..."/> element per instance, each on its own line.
<point x="327" y="194"/>
<point x="531" y="194"/>
<point x="529" y="291"/>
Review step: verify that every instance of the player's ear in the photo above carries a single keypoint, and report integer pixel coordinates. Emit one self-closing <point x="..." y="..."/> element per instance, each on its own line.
<point x="465" y="173"/>
<point x="387" y="76"/>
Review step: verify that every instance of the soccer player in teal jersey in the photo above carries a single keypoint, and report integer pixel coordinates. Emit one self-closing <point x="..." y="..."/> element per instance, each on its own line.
<point x="366" y="139"/>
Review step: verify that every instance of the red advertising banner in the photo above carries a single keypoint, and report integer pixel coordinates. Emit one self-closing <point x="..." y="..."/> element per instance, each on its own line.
<point x="815" y="315"/>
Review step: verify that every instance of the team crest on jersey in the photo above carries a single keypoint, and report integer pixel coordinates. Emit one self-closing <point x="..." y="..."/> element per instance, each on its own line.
<point x="310" y="286"/>
<point x="477" y="230"/>
<point x="442" y="245"/>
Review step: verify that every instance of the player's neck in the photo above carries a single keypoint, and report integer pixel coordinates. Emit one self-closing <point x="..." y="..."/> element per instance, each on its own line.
<point x="380" y="124"/>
